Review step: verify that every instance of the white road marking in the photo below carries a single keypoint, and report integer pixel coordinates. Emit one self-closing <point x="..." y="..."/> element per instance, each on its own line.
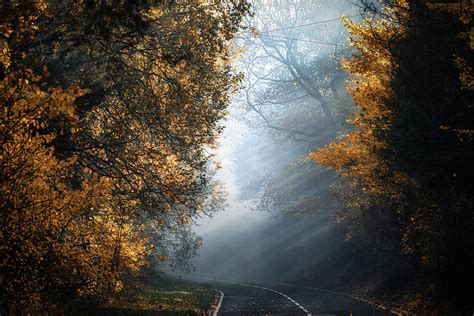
<point x="219" y="303"/>
<point x="268" y="289"/>
<point x="342" y="294"/>
<point x="258" y="287"/>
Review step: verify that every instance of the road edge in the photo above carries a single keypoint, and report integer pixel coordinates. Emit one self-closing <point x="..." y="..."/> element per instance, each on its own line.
<point x="346" y="295"/>
<point x="219" y="303"/>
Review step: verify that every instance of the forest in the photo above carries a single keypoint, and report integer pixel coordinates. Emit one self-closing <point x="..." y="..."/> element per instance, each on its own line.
<point x="155" y="152"/>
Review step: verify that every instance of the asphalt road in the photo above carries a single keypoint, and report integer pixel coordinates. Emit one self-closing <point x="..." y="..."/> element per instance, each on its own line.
<point x="281" y="299"/>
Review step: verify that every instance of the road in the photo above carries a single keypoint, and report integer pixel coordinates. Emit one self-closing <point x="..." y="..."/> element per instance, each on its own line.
<point x="284" y="299"/>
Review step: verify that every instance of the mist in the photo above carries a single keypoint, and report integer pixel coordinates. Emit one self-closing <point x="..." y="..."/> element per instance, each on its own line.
<point x="278" y="223"/>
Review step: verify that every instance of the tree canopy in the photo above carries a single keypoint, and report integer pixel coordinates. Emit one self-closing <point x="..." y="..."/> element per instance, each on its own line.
<point x="408" y="163"/>
<point x="109" y="112"/>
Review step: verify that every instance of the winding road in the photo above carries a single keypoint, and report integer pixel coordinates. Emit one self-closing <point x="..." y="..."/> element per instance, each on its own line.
<point x="286" y="299"/>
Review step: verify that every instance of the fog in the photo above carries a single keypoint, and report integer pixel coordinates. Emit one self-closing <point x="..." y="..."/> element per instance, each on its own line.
<point x="280" y="219"/>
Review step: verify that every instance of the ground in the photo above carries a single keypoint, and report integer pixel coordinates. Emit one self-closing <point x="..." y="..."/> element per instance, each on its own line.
<point x="156" y="294"/>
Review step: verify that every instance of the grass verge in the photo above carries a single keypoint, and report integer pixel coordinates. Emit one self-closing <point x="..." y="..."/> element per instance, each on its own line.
<point x="153" y="293"/>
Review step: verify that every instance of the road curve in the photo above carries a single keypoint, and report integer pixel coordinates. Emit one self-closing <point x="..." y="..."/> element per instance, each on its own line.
<point x="283" y="299"/>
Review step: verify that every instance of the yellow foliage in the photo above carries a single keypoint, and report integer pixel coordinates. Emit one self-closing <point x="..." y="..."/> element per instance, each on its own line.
<point x="396" y="164"/>
<point x="83" y="181"/>
<point x="354" y="155"/>
<point x="48" y="223"/>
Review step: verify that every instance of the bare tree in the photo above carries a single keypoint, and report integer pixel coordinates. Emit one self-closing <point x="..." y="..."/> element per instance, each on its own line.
<point x="292" y="63"/>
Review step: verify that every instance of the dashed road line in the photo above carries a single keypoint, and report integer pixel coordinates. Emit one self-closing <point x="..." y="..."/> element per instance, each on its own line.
<point x="342" y="294"/>
<point x="271" y="290"/>
<point x="307" y="287"/>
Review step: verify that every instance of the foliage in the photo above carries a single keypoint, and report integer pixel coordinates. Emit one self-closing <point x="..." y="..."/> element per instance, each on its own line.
<point x="408" y="163"/>
<point x="49" y="225"/>
<point x="108" y="112"/>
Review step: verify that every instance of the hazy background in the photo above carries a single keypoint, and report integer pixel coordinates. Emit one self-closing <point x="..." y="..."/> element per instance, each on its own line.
<point x="279" y="222"/>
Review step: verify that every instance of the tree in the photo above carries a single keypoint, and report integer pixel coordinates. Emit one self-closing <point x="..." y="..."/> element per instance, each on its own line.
<point x="109" y="110"/>
<point x="293" y="75"/>
<point x="407" y="161"/>
<point x="287" y="66"/>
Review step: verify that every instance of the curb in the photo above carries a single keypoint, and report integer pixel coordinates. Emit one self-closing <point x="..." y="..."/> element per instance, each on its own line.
<point x="219" y="303"/>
